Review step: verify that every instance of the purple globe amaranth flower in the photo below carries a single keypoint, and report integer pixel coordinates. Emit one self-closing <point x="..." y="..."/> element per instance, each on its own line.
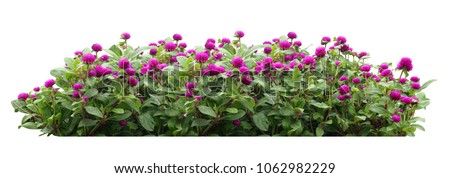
<point x="325" y="40"/>
<point x="386" y="72"/>
<point x="341" y="40"/>
<point x="49" y="83"/>
<point x="177" y="37"/>
<point x="190" y="85"/>
<point x="237" y="62"/>
<point x="237" y="123"/>
<point x="344" y="89"/>
<point x="267" y="43"/>
<point x="202" y="57"/>
<point x="210" y="45"/>
<point x="267" y="50"/>
<point x="130" y="71"/>
<point x="415" y="79"/>
<point x="341" y="97"/>
<point x="285" y="44"/>
<point x="153" y="51"/>
<point x="162" y="42"/>
<point x="162" y="66"/>
<point x="356" y="80"/>
<point x="395" y="95"/>
<point x="292" y="35"/>
<point x="365" y="68"/>
<point x="85" y="98"/>
<point x="415" y="100"/>
<point x="188" y="93"/>
<point x="124" y="63"/>
<point x="33" y="96"/>
<point x="293" y="64"/>
<point x="132" y="81"/>
<point x="173" y="59"/>
<point x="226" y="40"/>
<point x="104" y="58"/>
<point x="123" y="123"/>
<point x="153" y="63"/>
<point x="258" y="69"/>
<point x="144" y="70"/>
<point x="345" y="48"/>
<point x="239" y="34"/>
<point x="77" y="86"/>
<point x="384" y="66"/>
<point x="88" y="58"/>
<point x="267" y="61"/>
<point x="415" y="86"/>
<point x="182" y="54"/>
<point x="343" y="78"/>
<point x="402" y="80"/>
<point x="246" y="80"/>
<point x="405" y="63"/>
<point x="125" y="36"/>
<point x="182" y="45"/>
<point x="191" y="51"/>
<point x="36" y="89"/>
<point x="377" y="79"/>
<point x="278" y="65"/>
<point x="308" y="60"/>
<point x="152" y="44"/>
<point x="92" y="73"/>
<point x="218" y="56"/>
<point x="244" y="70"/>
<point x="213" y="70"/>
<point x="396" y="118"/>
<point x="276" y="40"/>
<point x="22" y="96"/>
<point x="78" y="53"/>
<point x="76" y="94"/>
<point x="337" y="63"/>
<point x="96" y="47"/>
<point x="362" y="54"/>
<point x="406" y="100"/>
<point x="297" y="43"/>
<point x="198" y="97"/>
<point x="212" y="40"/>
<point x="320" y="51"/>
<point x="169" y="46"/>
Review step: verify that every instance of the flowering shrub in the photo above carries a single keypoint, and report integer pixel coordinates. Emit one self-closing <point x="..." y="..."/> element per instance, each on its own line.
<point x="226" y="88"/>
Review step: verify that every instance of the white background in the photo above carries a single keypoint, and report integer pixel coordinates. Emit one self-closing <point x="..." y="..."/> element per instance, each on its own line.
<point x="35" y="36"/>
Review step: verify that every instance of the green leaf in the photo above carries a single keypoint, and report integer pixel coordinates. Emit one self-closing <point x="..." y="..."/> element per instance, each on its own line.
<point x="91" y="92"/>
<point x="233" y="117"/>
<point x="319" y="131"/>
<point x="200" y="122"/>
<point x="418" y="126"/>
<point x="87" y="123"/>
<point x="58" y="72"/>
<point x="232" y="110"/>
<point x="116" y="51"/>
<point x="319" y="105"/>
<point x="119" y="117"/>
<point x="426" y="84"/>
<point x="207" y="110"/>
<point x="246" y="104"/>
<point x="261" y="121"/>
<point x="118" y="111"/>
<point x="378" y="109"/>
<point x="146" y="120"/>
<point x="135" y="105"/>
<point x="30" y="125"/>
<point x="94" y="111"/>
<point x="69" y="61"/>
<point x="287" y="112"/>
<point x="172" y="112"/>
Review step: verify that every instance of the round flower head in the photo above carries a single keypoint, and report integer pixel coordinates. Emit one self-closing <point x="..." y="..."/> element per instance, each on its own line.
<point x="85" y="98"/>
<point x="76" y="94"/>
<point x="125" y="36"/>
<point x="244" y="70"/>
<point x="77" y="86"/>
<point x="356" y="80"/>
<point x="202" y="57"/>
<point x="278" y="65"/>
<point x="343" y="78"/>
<point x="191" y="51"/>
<point x="162" y="42"/>
<point x="415" y="86"/>
<point x="292" y="35"/>
<point x="415" y="100"/>
<point x="153" y="63"/>
<point x="384" y="66"/>
<point x="325" y="40"/>
<point x="365" y="68"/>
<point x="406" y="99"/>
<point x="415" y="79"/>
<point x="104" y="58"/>
<point x="239" y="34"/>
<point x="177" y="37"/>
<point x="22" y="96"/>
<point x="162" y="66"/>
<point x="33" y="96"/>
<point x="258" y="69"/>
<point x="395" y="95"/>
<point x="124" y="63"/>
<point x="49" y="83"/>
<point x="308" y="60"/>
<point x="78" y="53"/>
<point x="267" y="61"/>
<point x="293" y="64"/>
<point x="276" y="40"/>
<point x="284" y="45"/>
<point x="362" y="54"/>
<point x="377" y="79"/>
<point x="173" y="59"/>
<point x="210" y="45"/>
<point x="267" y="50"/>
<point x="337" y="63"/>
<point x="182" y="54"/>
<point x="237" y="123"/>
<point x="402" y="80"/>
<point x="341" y="97"/>
<point x="169" y="46"/>
<point x="226" y="40"/>
<point x="320" y="51"/>
<point x="341" y="40"/>
<point x="88" y="58"/>
<point x="152" y="44"/>
<point x="190" y="85"/>
<point x="144" y="70"/>
<point x="123" y="123"/>
<point x="130" y="71"/>
<point x="386" y="72"/>
<point x="396" y="118"/>
<point x="267" y="43"/>
<point x="345" y="48"/>
<point x="246" y="80"/>
<point x="182" y="45"/>
<point x="212" y="40"/>
<point x="153" y="51"/>
<point x="237" y="62"/>
<point x="218" y="56"/>
<point x="132" y="81"/>
<point x="188" y="94"/>
<point x="96" y="47"/>
<point x="405" y="63"/>
<point x="92" y="73"/>
<point x="297" y="43"/>
<point x="344" y="89"/>
<point x="36" y="89"/>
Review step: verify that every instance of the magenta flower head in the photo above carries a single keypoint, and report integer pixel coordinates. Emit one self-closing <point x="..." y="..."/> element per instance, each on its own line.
<point x="276" y="40"/>
<point x="345" y="48"/>
<point x="22" y="96"/>
<point x="337" y="63"/>
<point x="153" y="63"/>
<point x="415" y="86"/>
<point x="92" y="73"/>
<point x="85" y="98"/>
<point x="267" y="43"/>
<point x="377" y="79"/>
<point x="293" y="64"/>
<point x="325" y="40"/>
<point x="36" y="89"/>
<point x="78" y="53"/>
<point x="153" y="51"/>
<point x="169" y="46"/>
<point x="415" y="100"/>
<point x="297" y="43"/>
<point x="152" y="44"/>
<point x="383" y="66"/>
<point x="88" y="58"/>
<point x="162" y="66"/>
<point x="365" y="68"/>
<point x="177" y="37"/>
<point x="132" y="81"/>
<point x="267" y="61"/>
<point x="190" y="85"/>
<point x="344" y="89"/>
<point x="341" y="97"/>
<point x="76" y="94"/>
<point x="343" y="78"/>
<point x="182" y="45"/>
<point x="278" y="65"/>
<point x="402" y="80"/>
<point x="246" y="80"/>
<point x="202" y="57"/>
<point x="218" y="56"/>
<point x="258" y="69"/>
<point x="226" y="40"/>
<point x="386" y="72"/>
<point x="104" y="58"/>
<point x="173" y="59"/>
<point x="320" y="51"/>
<point x="396" y="118"/>
<point x="267" y="50"/>
<point x="77" y="86"/>
<point x="356" y="80"/>
<point x="244" y="70"/>
<point x="124" y="63"/>
<point x="362" y="54"/>
<point x="188" y="94"/>
<point x="130" y="71"/>
<point x="237" y="123"/>
<point x="341" y="40"/>
<point x="292" y="35"/>
<point x="144" y="70"/>
<point x="285" y="44"/>
<point x="33" y="96"/>
<point x="406" y="99"/>
<point x="49" y="83"/>
<point x="405" y="63"/>
<point x="237" y="62"/>
<point x="415" y="79"/>
<point x="123" y="123"/>
<point x="239" y="34"/>
<point x="125" y="36"/>
<point x="96" y="47"/>
<point x="395" y="95"/>
<point x="210" y="45"/>
<point x="308" y="60"/>
<point x="191" y="51"/>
